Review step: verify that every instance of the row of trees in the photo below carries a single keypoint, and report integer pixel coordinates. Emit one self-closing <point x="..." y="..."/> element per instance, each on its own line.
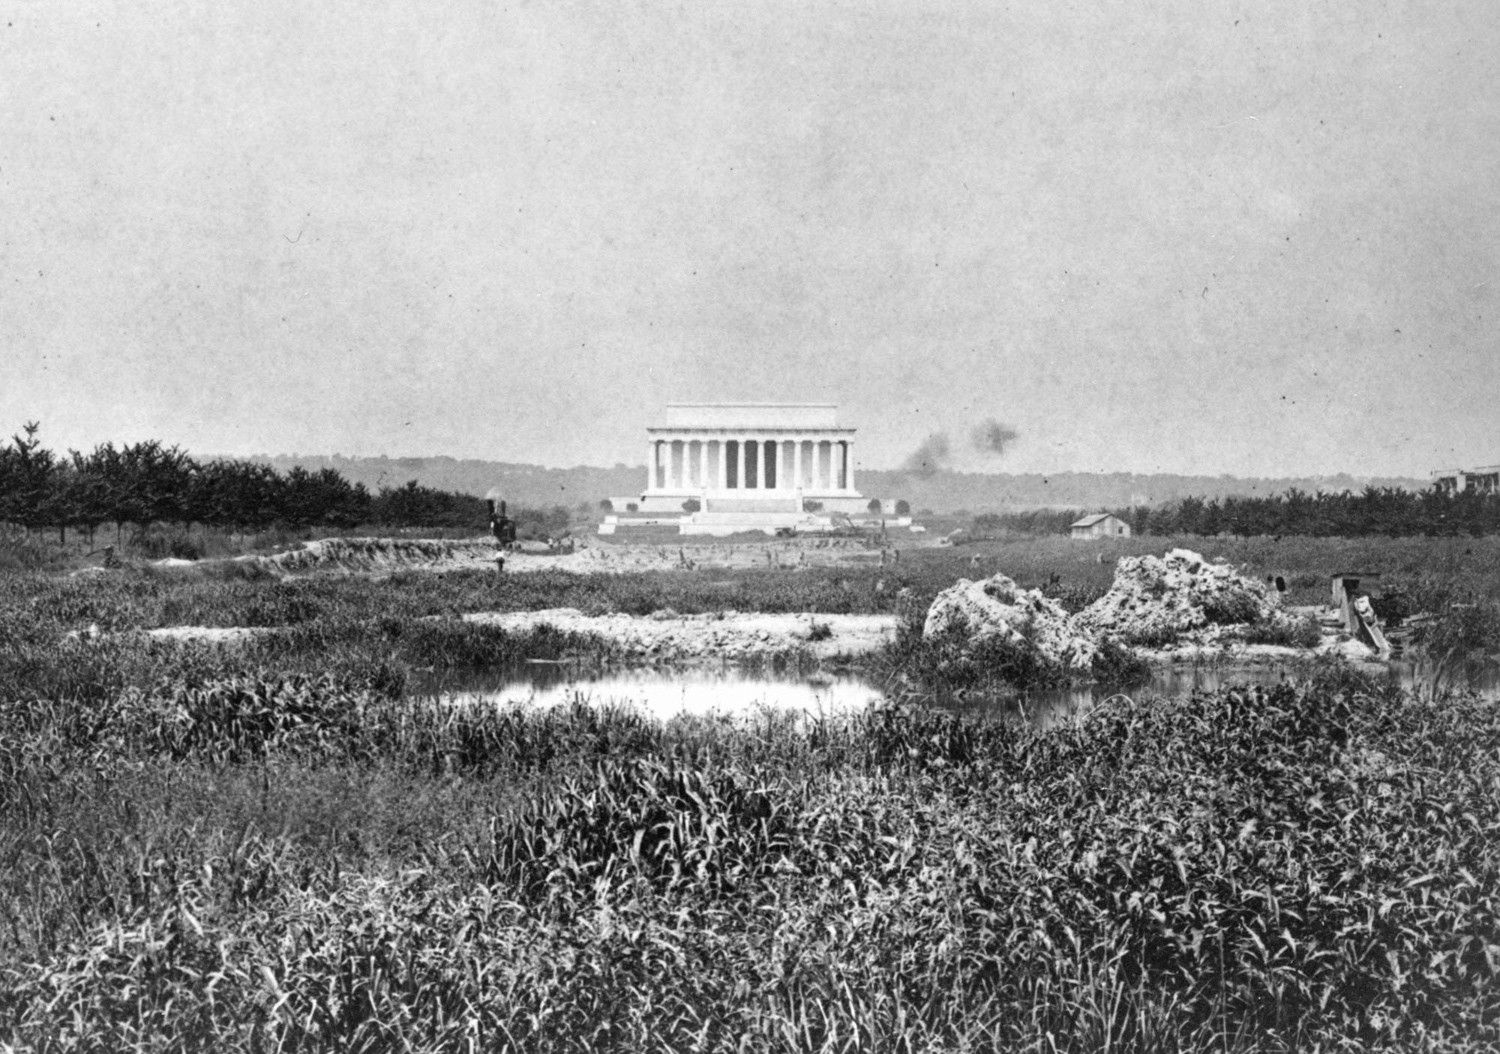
<point x="146" y="483"/>
<point x="1387" y="511"/>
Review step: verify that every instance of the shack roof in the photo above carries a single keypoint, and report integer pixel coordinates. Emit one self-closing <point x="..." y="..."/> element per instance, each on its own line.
<point x="1093" y="518"/>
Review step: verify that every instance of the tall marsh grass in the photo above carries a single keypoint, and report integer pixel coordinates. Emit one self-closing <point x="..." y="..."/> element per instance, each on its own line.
<point x="276" y="846"/>
<point x="297" y="865"/>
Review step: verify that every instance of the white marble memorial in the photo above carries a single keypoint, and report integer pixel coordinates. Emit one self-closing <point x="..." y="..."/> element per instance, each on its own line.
<point x="749" y="466"/>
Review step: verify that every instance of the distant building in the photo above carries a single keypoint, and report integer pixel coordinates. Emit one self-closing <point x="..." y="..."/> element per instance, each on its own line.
<point x="1100" y="525"/>
<point x="1458" y="480"/>
<point x="722" y="468"/>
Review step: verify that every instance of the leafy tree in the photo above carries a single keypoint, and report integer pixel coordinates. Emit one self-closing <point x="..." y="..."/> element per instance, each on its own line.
<point x="27" y="477"/>
<point x="413" y="505"/>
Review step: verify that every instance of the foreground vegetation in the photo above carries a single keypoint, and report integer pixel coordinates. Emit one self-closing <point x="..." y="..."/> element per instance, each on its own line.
<point x="296" y="863"/>
<point x="282" y="845"/>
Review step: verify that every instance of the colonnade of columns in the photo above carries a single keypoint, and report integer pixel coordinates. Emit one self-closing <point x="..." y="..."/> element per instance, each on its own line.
<point x="749" y="464"/>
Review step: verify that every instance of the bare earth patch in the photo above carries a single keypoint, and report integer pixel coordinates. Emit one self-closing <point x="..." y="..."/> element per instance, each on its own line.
<point x="207" y="634"/>
<point x="667" y="637"/>
<point x="720" y="635"/>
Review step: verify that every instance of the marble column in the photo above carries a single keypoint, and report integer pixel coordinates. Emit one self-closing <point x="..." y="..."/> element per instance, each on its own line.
<point x="703" y="464"/>
<point x="849" y="465"/>
<point x="797" y="463"/>
<point x="723" y="465"/>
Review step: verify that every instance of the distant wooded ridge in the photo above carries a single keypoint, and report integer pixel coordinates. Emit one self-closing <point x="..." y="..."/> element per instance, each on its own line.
<point x="941" y="491"/>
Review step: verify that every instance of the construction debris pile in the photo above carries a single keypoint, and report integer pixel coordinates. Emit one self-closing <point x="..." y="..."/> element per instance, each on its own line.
<point x="1176" y="599"/>
<point x="1165" y="602"/>
<point x="996" y="607"/>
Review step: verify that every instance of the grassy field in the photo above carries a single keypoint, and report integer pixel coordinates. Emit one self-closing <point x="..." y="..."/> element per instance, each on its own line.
<point x="278" y="847"/>
<point x="299" y="864"/>
<point x="143" y="597"/>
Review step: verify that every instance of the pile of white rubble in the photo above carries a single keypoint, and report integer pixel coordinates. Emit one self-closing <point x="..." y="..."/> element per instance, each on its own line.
<point x="1181" y="596"/>
<point x="1179" y="599"/>
<point x="997" y="607"/>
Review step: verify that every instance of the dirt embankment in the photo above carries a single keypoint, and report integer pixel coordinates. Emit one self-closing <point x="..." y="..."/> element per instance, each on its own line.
<point x="665" y="636"/>
<point x="720" y="635"/>
<point x="376" y="556"/>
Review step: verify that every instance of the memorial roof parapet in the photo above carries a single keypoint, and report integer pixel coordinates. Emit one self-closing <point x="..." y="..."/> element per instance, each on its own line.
<point x="821" y="417"/>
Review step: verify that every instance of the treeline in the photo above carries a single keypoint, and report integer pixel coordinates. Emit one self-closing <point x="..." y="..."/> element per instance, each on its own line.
<point x="1386" y="511"/>
<point x="149" y="483"/>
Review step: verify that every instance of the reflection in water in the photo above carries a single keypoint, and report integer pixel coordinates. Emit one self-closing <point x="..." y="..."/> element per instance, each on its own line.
<point x="732" y="690"/>
<point x="1052" y="706"/>
<point x="667" y="693"/>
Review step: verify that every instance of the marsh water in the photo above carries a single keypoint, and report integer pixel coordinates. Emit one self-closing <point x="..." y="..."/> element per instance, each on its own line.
<point x="736" y="690"/>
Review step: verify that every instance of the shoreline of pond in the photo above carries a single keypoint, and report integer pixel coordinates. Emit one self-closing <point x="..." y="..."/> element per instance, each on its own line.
<point x="733" y="636"/>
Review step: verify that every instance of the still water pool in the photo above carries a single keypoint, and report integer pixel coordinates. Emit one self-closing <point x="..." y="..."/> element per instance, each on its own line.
<point x="665" y="693"/>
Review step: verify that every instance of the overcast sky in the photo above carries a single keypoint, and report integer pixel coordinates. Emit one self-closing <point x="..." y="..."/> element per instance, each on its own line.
<point x="1248" y="238"/>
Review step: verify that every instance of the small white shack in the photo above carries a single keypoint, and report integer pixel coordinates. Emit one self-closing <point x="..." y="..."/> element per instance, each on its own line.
<point x="1100" y="525"/>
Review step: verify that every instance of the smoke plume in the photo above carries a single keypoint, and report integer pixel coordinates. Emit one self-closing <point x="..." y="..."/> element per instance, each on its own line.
<point x="992" y="437"/>
<point x="931" y="456"/>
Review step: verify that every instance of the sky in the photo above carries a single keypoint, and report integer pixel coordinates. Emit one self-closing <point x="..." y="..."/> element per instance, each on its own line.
<point x="1155" y="236"/>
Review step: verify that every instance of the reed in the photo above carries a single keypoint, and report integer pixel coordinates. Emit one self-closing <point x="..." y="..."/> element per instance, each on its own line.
<point x="254" y="863"/>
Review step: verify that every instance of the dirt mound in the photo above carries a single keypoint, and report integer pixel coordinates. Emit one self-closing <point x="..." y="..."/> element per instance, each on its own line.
<point x="996" y="607"/>
<point x="388" y="555"/>
<point x="1180" y="597"/>
<point x="382" y="554"/>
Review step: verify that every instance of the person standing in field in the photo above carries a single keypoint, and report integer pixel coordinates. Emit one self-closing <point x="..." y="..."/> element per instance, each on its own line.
<point x="504" y="530"/>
